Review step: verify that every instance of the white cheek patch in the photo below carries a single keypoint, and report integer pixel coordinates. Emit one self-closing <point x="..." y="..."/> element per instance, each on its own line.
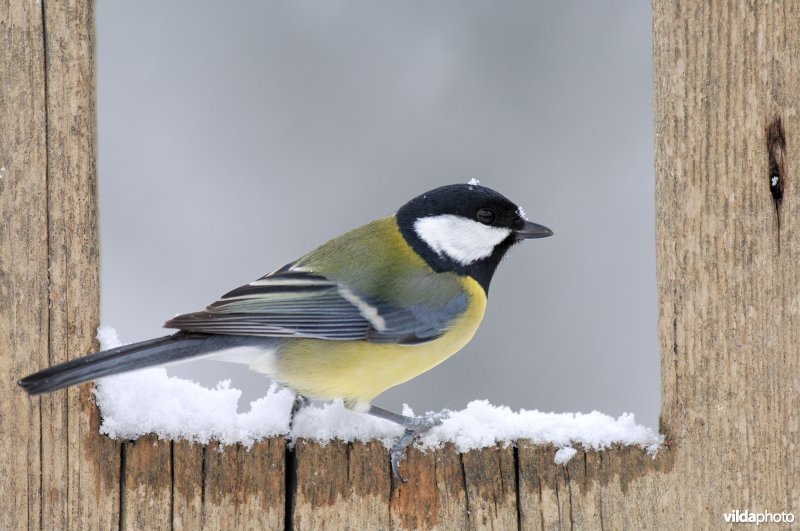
<point x="461" y="239"/>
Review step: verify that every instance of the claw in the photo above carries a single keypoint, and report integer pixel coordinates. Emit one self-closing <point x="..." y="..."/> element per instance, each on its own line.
<point x="397" y="451"/>
<point x="422" y="424"/>
<point x="299" y="403"/>
<point x="414" y="426"/>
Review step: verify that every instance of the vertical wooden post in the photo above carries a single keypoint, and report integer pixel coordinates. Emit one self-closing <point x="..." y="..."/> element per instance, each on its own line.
<point x="23" y="258"/>
<point x="728" y="253"/>
<point x="59" y="471"/>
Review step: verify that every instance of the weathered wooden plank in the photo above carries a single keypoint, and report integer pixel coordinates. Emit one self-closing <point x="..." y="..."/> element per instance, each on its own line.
<point x="82" y="467"/>
<point x="611" y="495"/>
<point x="529" y="488"/>
<point x="340" y="486"/>
<point x="584" y="503"/>
<point x="48" y="269"/>
<point x="540" y="505"/>
<point x="369" y="483"/>
<point x="433" y="496"/>
<point x="415" y="504"/>
<point x="452" y="509"/>
<point x="244" y="488"/>
<point x="146" y="500"/>
<point x="188" y="485"/>
<point x="491" y="488"/>
<point x="320" y="485"/>
<point x="593" y="488"/>
<point x="727" y="254"/>
<point x="23" y="258"/>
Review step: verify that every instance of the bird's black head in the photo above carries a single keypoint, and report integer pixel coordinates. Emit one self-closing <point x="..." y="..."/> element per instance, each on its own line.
<point x="465" y="228"/>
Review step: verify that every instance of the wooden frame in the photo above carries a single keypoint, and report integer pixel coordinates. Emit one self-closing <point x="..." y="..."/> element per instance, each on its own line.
<point x="729" y="320"/>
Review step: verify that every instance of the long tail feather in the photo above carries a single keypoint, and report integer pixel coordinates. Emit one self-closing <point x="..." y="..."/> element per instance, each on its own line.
<point x="116" y="360"/>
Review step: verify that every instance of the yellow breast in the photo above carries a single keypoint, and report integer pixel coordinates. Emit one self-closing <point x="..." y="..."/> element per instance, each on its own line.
<point x="358" y="371"/>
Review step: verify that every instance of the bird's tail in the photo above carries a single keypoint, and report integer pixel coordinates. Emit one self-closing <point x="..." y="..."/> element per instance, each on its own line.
<point x="116" y="360"/>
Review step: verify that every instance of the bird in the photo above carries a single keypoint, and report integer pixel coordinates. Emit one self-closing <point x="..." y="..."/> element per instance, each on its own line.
<point x="364" y="312"/>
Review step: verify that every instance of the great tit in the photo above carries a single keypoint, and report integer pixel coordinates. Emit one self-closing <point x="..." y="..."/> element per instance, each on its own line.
<point x="364" y="312"/>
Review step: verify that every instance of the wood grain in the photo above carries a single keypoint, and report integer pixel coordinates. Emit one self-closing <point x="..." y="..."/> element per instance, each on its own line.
<point x="23" y="259"/>
<point x="729" y="292"/>
<point x="433" y="496"/>
<point x="340" y="486"/>
<point x="73" y="256"/>
<point x="49" y="266"/>
<point x="146" y="501"/>
<point x="244" y="488"/>
<point x="490" y="478"/>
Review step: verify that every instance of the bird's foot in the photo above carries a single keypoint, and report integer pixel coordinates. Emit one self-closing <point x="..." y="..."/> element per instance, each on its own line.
<point x="299" y="403"/>
<point x="414" y="427"/>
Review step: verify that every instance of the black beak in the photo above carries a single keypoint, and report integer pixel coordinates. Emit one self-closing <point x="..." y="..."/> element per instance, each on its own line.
<point x="532" y="230"/>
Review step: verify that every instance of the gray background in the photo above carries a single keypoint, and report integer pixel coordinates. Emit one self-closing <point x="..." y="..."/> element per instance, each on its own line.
<point x="236" y="136"/>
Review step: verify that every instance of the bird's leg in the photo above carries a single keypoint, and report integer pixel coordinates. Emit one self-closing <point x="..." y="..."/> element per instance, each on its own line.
<point x="299" y="403"/>
<point x="414" y="426"/>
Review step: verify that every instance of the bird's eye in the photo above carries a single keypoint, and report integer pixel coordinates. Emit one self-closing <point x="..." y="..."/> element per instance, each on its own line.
<point x="485" y="216"/>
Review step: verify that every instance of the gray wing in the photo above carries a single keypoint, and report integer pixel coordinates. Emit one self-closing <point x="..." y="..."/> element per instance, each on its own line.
<point x="299" y="303"/>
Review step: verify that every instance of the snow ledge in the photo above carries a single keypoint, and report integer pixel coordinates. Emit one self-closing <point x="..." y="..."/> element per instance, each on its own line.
<point x="150" y="401"/>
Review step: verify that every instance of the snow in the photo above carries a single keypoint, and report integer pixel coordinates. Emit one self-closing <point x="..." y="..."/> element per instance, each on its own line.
<point x="474" y="182"/>
<point x="150" y="401"/>
<point x="563" y="455"/>
<point x="481" y="424"/>
<point x="330" y="421"/>
<point x="108" y="338"/>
